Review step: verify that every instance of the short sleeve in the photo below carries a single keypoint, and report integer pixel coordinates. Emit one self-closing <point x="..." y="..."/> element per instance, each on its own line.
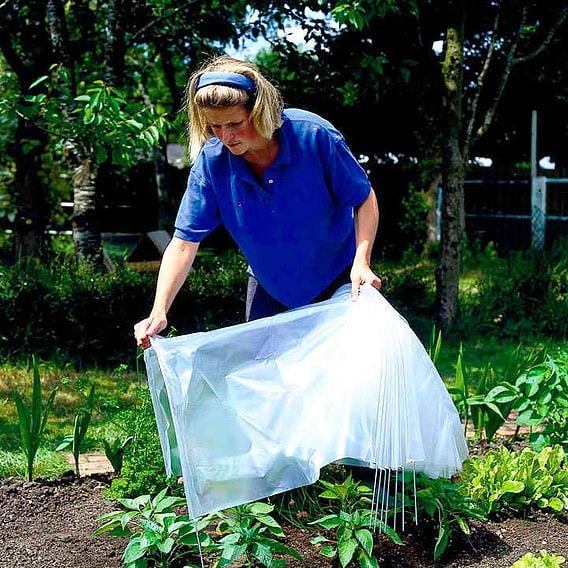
<point x="347" y="180"/>
<point x="198" y="212"/>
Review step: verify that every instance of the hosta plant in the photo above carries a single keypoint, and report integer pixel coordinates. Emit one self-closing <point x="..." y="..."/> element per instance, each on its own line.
<point x="158" y="535"/>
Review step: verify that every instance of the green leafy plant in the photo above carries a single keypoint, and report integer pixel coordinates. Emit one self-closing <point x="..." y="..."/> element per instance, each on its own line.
<point x="353" y="537"/>
<point x="143" y="468"/>
<point x="351" y="522"/>
<point x="80" y="427"/>
<point x="245" y="531"/>
<point x="32" y="418"/>
<point x="517" y="480"/>
<point x="158" y="535"/>
<point x="539" y="394"/>
<point x="445" y="502"/>
<point x="435" y="344"/>
<point x="114" y="452"/>
<point x="489" y="402"/>
<point x="351" y="495"/>
<point x="543" y="560"/>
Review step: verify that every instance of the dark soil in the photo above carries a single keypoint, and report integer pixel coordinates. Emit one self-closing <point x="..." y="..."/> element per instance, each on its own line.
<point x="50" y="525"/>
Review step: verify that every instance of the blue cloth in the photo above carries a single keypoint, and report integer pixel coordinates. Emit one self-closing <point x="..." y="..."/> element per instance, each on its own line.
<point x="295" y="226"/>
<point x="236" y="80"/>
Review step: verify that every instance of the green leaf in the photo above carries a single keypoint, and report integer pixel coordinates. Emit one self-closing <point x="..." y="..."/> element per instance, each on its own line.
<point x="556" y="505"/>
<point x="67" y="441"/>
<point x="263" y="553"/>
<point x="328" y="522"/>
<point x="166" y="546"/>
<point x="511" y="486"/>
<point x="441" y="542"/>
<point x="39" y="81"/>
<point x="82" y="98"/>
<point x="365" y="539"/>
<point x="366" y="561"/>
<point x="328" y="551"/>
<point x="133" y="551"/>
<point x="346" y="548"/>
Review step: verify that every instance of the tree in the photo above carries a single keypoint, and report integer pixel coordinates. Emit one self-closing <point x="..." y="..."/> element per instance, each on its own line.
<point x="482" y="47"/>
<point x="25" y="46"/>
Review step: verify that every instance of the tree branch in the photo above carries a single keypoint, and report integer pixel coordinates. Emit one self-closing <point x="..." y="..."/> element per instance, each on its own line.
<point x="481" y="83"/>
<point x="561" y="19"/>
<point x="155" y="22"/>
<point x="490" y="114"/>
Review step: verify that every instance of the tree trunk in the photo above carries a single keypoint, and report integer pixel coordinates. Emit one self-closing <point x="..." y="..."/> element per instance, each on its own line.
<point x="29" y="192"/>
<point x="431" y="221"/>
<point x="86" y="228"/>
<point x="115" y="48"/>
<point x="447" y="274"/>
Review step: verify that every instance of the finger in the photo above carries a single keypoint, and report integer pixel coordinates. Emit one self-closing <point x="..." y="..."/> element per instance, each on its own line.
<point x="155" y="328"/>
<point x="377" y="282"/>
<point x="355" y="289"/>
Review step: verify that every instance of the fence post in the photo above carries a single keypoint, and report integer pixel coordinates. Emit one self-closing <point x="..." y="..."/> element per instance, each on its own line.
<point x="538" y="212"/>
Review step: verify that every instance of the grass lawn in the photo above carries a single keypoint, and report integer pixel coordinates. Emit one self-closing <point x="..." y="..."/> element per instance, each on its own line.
<point x="115" y="391"/>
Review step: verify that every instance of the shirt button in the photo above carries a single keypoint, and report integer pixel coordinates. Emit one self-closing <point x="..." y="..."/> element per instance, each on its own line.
<point x="270" y="181"/>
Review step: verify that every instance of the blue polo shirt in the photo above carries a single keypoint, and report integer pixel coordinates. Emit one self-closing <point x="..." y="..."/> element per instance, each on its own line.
<point x="295" y="225"/>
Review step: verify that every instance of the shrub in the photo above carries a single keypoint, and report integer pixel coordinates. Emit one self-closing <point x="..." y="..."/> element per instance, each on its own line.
<point x="68" y="309"/>
<point x="503" y="480"/>
<point x="526" y="294"/>
<point x="540" y="395"/>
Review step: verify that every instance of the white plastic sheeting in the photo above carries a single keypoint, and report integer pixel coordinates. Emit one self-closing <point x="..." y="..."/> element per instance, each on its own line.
<point x="255" y="409"/>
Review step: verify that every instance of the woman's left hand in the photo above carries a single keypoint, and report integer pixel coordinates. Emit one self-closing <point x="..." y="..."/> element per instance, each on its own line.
<point x="362" y="274"/>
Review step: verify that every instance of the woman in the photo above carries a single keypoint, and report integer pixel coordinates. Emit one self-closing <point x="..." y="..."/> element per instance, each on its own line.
<point x="284" y="184"/>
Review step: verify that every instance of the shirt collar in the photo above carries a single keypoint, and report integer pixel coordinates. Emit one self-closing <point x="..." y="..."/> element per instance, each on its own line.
<point x="240" y="168"/>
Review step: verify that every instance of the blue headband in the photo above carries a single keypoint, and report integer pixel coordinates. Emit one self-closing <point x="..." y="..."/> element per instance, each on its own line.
<point x="235" y="80"/>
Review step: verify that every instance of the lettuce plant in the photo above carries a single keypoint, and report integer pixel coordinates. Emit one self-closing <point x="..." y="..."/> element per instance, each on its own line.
<point x="517" y="480"/>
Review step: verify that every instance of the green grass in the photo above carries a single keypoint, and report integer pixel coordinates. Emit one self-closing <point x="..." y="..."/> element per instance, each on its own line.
<point x="48" y="464"/>
<point x="114" y="392"/>
<point x="482" y="349"/>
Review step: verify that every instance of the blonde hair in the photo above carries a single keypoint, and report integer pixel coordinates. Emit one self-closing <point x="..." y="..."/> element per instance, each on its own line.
<point x="265" y="104"/>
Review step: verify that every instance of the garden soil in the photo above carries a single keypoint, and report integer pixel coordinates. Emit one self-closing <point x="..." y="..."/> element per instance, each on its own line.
<point x="50" y="525"/>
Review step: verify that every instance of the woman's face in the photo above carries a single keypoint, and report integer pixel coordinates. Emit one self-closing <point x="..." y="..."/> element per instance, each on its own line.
<point x="232" y="125"/>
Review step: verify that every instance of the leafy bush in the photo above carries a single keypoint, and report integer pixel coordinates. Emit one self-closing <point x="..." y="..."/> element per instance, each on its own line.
<point x="68" y="309"/>
<point x="543" y="560"/>
<point x="517" y="480"/>
<point x="527" y="294"/>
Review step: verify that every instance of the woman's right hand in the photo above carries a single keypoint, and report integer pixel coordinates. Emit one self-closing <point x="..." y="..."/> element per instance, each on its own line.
<point x="147" y="328"/>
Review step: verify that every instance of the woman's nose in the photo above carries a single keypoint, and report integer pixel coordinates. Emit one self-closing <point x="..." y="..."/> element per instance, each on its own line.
<point x="227" y="135"/>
